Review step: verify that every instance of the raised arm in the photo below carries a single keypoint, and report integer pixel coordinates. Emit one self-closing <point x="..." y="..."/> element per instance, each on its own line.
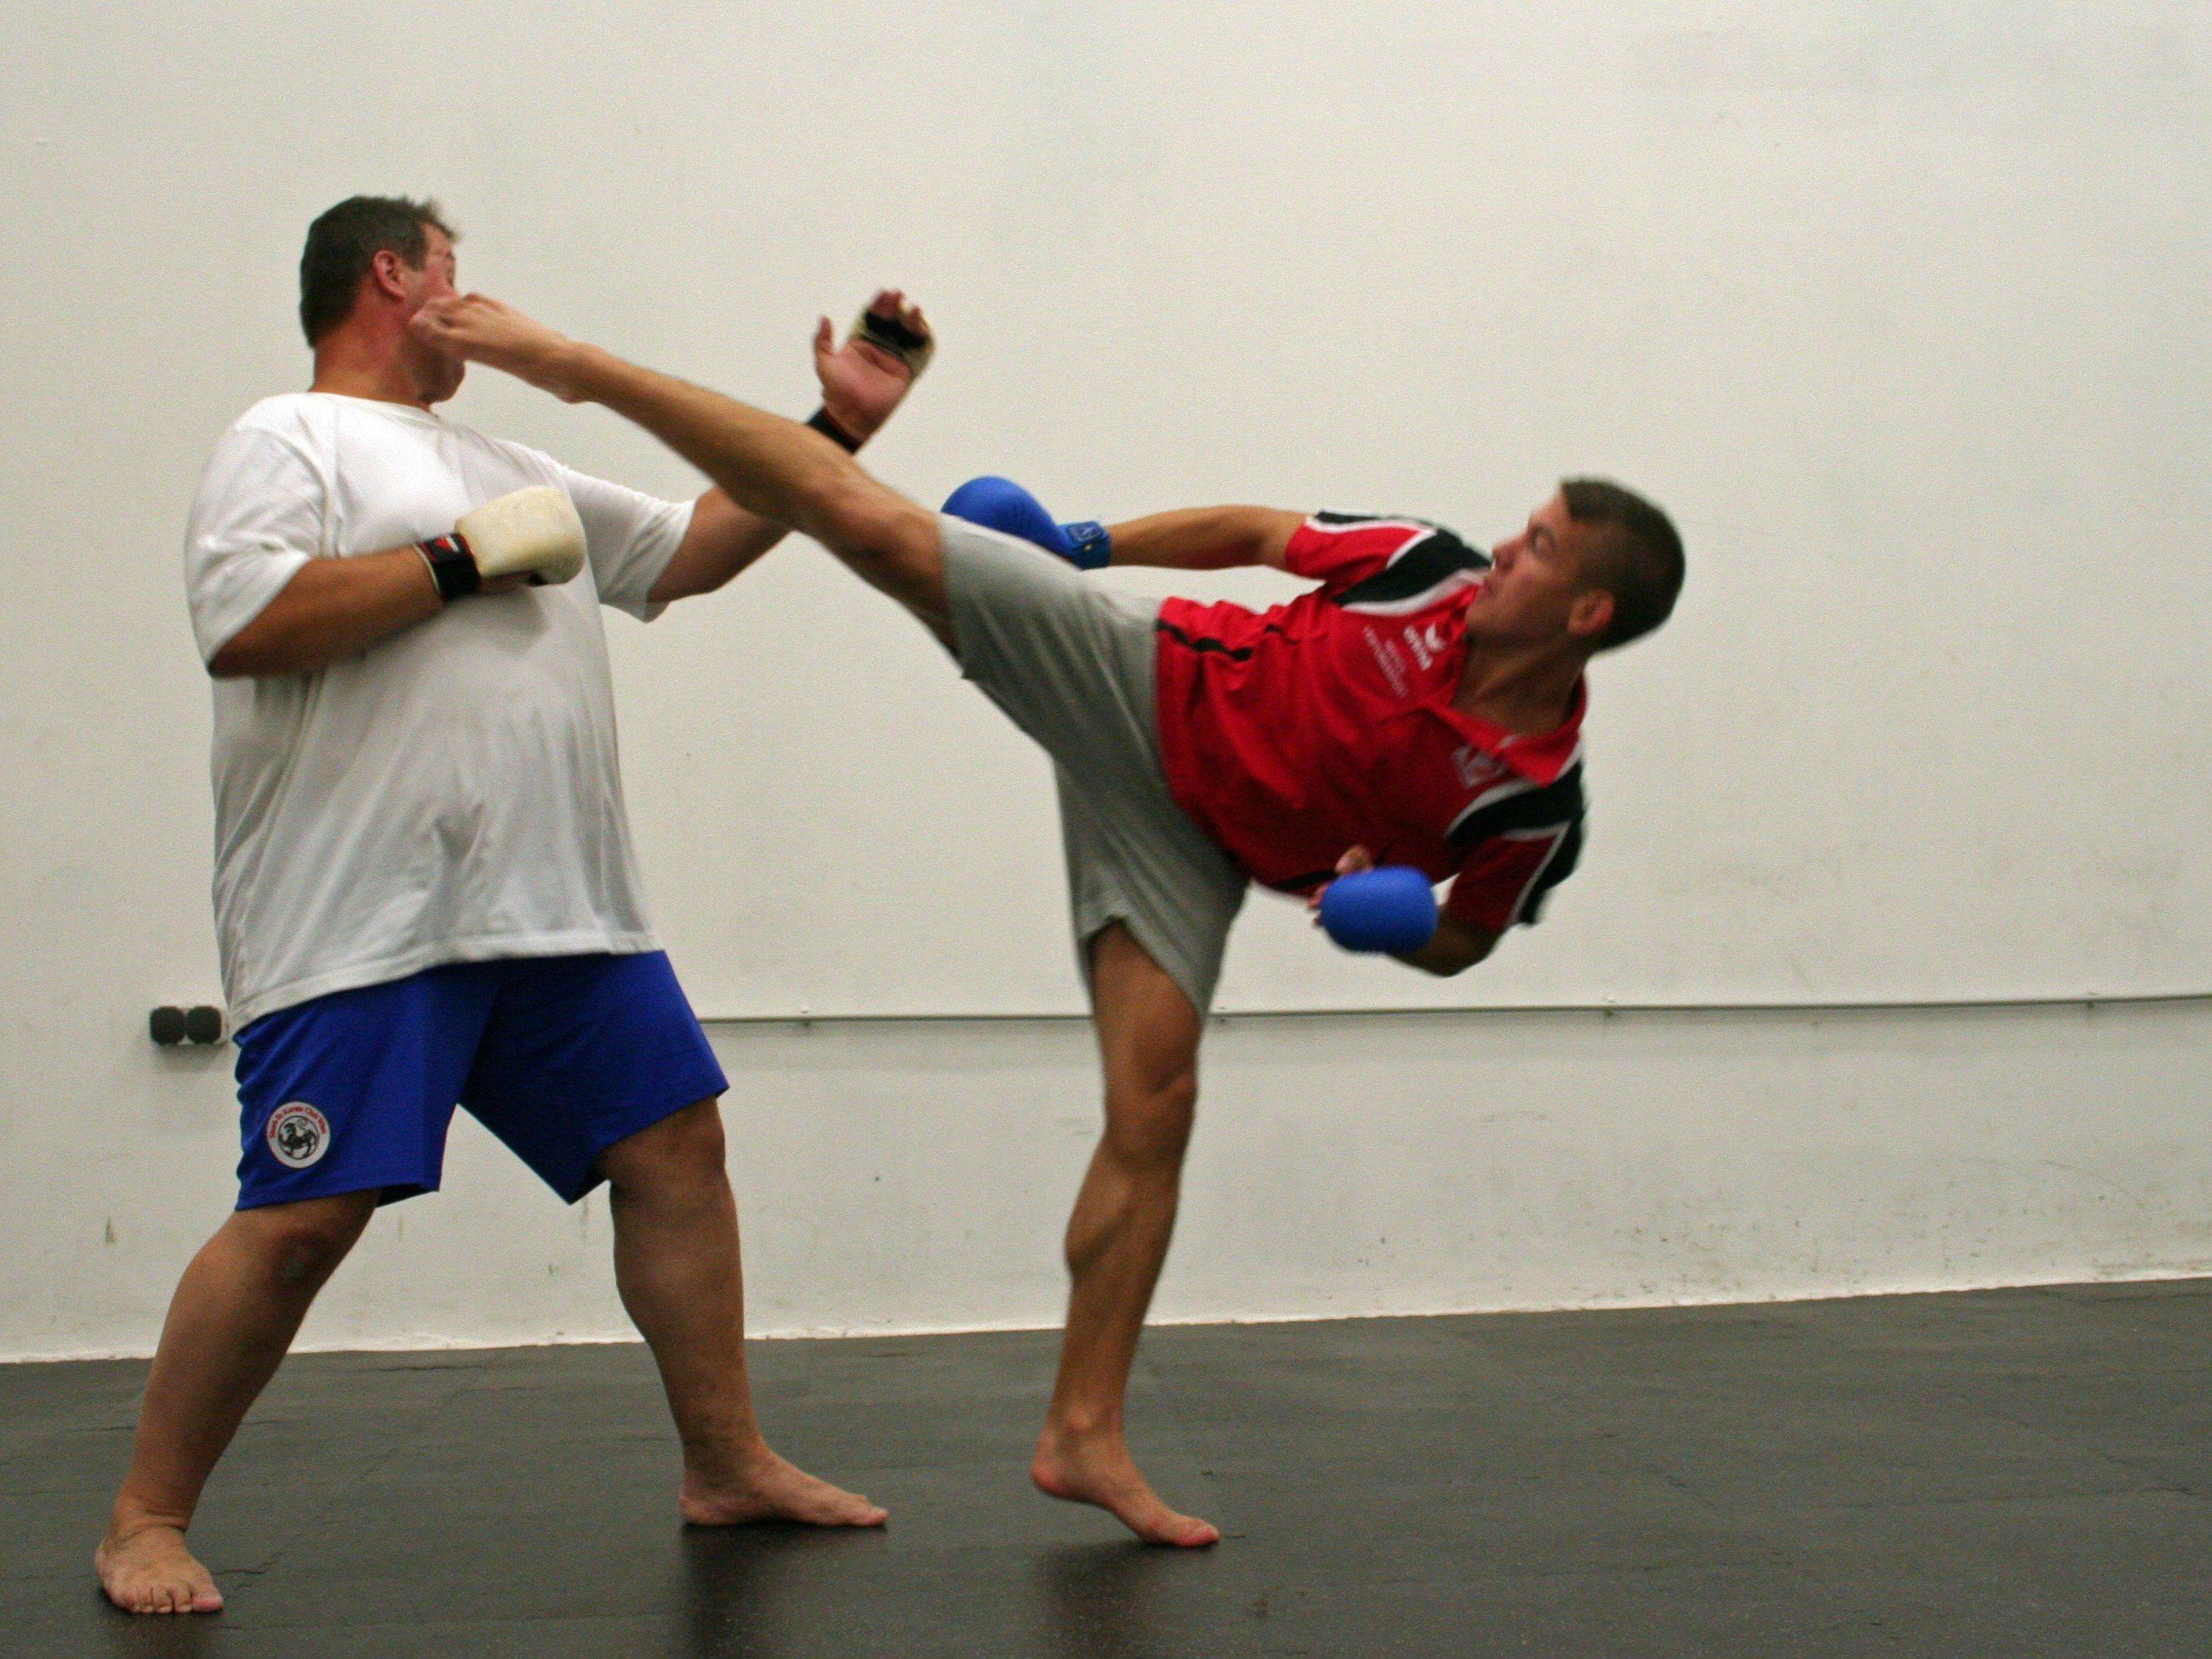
<point x="863" y="383"/>
<point x="1207" y="538"/>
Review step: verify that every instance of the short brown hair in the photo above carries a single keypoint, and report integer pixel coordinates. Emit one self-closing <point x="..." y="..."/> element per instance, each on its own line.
<point x="1639" y="562"/>
<point x="341" y="248"/>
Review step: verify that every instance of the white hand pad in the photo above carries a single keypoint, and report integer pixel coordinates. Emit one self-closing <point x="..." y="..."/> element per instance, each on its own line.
<point x="533" y="532"/>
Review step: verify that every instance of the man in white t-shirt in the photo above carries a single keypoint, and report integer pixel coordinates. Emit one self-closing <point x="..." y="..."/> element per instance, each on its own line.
<point x="425" y="892"/>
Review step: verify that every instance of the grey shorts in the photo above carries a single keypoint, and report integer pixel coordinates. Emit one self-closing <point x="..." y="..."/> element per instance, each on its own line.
<point x="1071" y="663"/>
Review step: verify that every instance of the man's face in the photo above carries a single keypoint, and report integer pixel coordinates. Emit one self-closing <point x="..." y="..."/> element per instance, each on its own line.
<point x="1536" y="592"/>
<point x="437" y="373"/>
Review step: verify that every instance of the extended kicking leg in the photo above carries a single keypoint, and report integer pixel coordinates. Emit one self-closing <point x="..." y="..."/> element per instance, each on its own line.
<point x="768" y="465"/>
<point x="1117" y="1239"/>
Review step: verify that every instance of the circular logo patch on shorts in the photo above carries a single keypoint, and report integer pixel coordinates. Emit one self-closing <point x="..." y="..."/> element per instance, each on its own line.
<point x="298" y="1134"/>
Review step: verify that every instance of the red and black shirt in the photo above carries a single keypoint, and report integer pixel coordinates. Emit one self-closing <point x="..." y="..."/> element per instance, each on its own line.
<point x="1292" y="734"/>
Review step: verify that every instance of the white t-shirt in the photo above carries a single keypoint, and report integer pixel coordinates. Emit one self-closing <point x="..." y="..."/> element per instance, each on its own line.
<point x="451" y="794"/>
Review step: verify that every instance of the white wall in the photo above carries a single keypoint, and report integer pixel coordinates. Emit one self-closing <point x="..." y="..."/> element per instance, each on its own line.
<point x="1903" y="308"/>
<point x="915" y="1177"/>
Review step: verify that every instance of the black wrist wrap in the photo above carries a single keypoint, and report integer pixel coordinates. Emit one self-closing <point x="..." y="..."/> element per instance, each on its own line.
<point x="820" y="422"/>
<point x="452" y="566"/>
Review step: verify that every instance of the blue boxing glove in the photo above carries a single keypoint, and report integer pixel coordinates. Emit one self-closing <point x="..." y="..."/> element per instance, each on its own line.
<point x="1391" y="909"/>
<point x="1001" y="504"/>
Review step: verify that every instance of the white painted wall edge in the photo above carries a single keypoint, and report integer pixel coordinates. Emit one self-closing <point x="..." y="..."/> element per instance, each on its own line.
<point x="804" y="1018"/>
<point x="408" y="1344"/>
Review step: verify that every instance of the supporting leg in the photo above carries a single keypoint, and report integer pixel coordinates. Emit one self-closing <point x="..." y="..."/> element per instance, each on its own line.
<point x="235" y="1312"/>
<point x="1117" y="1239"/>
<point x="677" y="1268"/>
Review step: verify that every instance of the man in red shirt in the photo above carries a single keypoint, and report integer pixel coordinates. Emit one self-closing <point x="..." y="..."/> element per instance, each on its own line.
<point x="1338" y="721"/>
<point x="1422" y="706"/>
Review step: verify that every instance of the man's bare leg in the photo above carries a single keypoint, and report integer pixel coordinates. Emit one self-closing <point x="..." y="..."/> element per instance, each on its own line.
<point x="677" y="1266"/>
<point x="768" y="465"/>
<point x="235" y="1312"/>
<point x="1117" y="1239"/>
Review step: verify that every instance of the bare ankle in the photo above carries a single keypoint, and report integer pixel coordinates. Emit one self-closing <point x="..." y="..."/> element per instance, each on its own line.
<point x="729" y="1465"/>
<point x="1083" y="1425"/>
<point x="126" y="1520"/>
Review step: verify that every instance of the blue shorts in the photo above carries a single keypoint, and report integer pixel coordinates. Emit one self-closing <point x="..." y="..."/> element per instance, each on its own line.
<point x="558" y="1056"/>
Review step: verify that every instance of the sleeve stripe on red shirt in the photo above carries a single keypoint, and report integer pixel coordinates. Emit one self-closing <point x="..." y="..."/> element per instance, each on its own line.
<point x="1559" y="863"/>
<point x="1330" y="521"/>
<point x="1521" y="837"/>
<point x="1505" y="879"/>
<point x="1520" y="806"/>
<point x="1431" y="567"/>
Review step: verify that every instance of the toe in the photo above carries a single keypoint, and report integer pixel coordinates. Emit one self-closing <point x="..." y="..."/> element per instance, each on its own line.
<point x="1186" y="1531"/>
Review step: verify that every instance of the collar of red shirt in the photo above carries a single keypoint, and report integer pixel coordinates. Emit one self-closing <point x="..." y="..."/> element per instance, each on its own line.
<point x="1539" y="756"/>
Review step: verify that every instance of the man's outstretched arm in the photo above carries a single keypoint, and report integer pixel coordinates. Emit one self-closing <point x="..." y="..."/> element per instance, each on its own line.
<point x="1207" y="538"/>
<point x="771" y="467"/>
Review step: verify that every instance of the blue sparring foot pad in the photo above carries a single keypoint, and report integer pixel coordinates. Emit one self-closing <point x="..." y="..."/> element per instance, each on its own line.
<point x="1001" y="504"/>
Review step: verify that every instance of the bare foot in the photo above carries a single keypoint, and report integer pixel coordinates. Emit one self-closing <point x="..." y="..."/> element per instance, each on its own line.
<point x="1099" y="1469"/>
<point x="147" y="1569"/>
<point x="773" y="1489"/>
